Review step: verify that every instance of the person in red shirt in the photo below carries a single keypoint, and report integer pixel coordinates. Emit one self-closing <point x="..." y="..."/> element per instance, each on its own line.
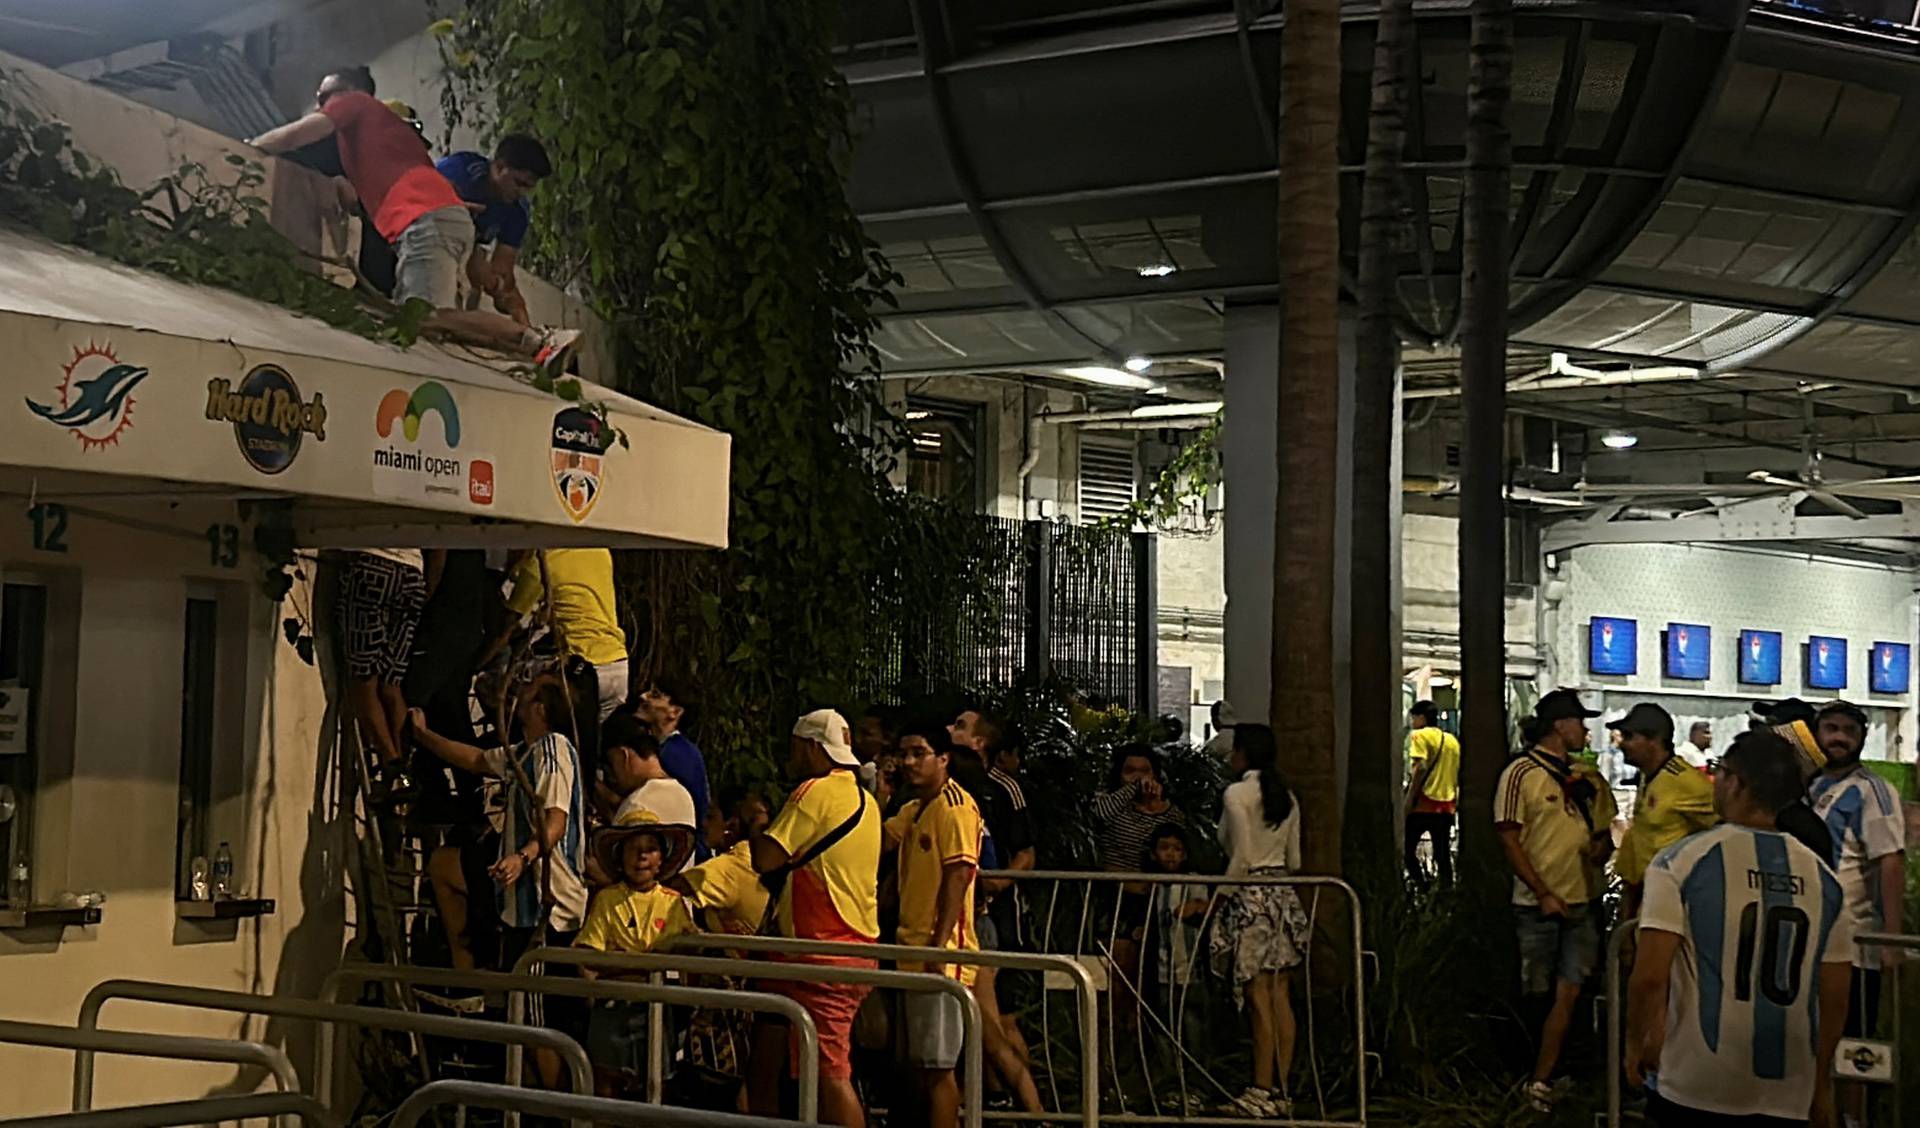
<point x="415" y="209"/>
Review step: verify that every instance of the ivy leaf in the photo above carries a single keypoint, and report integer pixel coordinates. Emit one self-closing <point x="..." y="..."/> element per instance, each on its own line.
<point x="291" y="629"/>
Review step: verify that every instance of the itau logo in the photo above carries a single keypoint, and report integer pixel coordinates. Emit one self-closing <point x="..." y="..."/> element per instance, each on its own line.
<point x="95" y="401"/>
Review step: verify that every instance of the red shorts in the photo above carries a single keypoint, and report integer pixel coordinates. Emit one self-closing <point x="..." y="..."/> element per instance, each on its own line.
<point x="832" y="1007"/>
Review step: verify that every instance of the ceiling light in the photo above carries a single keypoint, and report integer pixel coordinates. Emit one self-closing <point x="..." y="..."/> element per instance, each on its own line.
<point x="917" y="415"/>
<point x="1619" y="440"/>
<point x="1105" y="374"/>
<point x="1157" y="270"/>
<point x="1138" y="364"/>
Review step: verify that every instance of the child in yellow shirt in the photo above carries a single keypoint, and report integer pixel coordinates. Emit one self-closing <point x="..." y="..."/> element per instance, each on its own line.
<point x="632" y="915"/>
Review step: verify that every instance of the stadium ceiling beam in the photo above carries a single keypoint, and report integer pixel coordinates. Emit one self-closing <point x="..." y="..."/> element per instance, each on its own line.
<point x="1760" y="519"/>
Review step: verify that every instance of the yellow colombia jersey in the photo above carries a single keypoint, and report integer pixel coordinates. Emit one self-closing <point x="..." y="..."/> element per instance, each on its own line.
<point x="932" y="833"/>
<point x="623" y="919"/>
<point x="832" y="897"/>
<point x="1533" y="796"/>
<point x="1441" y="751"/>
<point x="1676" y="802"/>
<point x="726" y="887"/>
<point x="583" y="600"/>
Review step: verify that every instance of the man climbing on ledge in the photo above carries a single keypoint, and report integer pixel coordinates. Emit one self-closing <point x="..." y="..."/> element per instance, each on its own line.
<point x="415" y="209"/>
<point x="497" y="192"/>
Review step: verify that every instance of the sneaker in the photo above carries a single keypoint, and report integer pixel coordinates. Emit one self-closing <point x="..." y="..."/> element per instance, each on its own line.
<point x="1255" y="1104"/>
<point x="1540" y="1096"/>
<point x="556" y="347"/>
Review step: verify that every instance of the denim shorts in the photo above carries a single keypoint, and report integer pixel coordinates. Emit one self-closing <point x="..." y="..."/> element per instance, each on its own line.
<point x="1555" y="948"/>
<point x="432" y="255"/>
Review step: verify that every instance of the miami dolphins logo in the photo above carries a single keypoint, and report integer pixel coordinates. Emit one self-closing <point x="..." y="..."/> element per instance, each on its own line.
<point x="409" y="410"/>
<point x="96" y="396"/>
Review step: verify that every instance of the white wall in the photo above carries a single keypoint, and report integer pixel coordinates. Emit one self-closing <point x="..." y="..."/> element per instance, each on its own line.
<point x="1731" y="589"/>
<point x="1430" y="578"/>
<point x="106" y="803"/>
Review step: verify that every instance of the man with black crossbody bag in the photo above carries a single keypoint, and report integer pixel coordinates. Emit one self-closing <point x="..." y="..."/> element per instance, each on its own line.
<point x="1554" y="817"/>
<point x="819" y="860"/>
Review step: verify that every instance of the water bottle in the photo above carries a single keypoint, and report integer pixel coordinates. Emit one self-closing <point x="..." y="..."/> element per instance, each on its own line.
<point x="19" y="883"/>
<point x="223" y="873"/>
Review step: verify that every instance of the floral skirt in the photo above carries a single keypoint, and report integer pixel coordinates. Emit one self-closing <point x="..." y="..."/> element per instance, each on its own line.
<point x="1259" y="928"/>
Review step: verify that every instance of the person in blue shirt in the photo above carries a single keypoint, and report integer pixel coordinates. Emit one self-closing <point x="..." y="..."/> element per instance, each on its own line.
<point x="497" y="191"/>
<point x="664" y="708"/>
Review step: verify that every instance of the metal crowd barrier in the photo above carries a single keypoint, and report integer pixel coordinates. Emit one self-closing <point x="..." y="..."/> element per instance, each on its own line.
<point x="1086" y="994"/>
<point x="970" y="1079"/>
<point x="1616" y="1020"/>
<point x="206" y="998"/>
<point x="210" y="1110"/>
<point x="479" y="1094"/>
<point x="1617" y="1007"/>
<point x="651" y="993"/>
<point x="1091" y="929"/>
<point x="1909" y="942"/>
<point x="85" y="1040"/>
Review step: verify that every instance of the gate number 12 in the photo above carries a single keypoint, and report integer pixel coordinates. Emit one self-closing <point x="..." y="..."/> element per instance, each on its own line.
<point x="49" y="526"/>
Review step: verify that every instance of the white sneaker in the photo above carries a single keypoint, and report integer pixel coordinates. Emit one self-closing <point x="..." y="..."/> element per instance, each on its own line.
<point x="556" y="346"/>
<point x="1255" y="1104"/>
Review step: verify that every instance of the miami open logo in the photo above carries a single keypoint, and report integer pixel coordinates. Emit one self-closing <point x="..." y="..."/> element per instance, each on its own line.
<point x="417" y="459"/>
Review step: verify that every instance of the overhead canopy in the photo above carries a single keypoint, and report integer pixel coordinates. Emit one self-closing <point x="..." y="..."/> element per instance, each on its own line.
<point x="125" y="388"/>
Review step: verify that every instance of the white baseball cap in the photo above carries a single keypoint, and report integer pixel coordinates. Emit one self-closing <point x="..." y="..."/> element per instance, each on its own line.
<point x="829" y="730"/>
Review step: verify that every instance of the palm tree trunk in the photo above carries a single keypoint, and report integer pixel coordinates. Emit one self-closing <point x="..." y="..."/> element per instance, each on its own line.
<point x="1374" y="756"/>
<point x="1308" y="420"/>
<point x="1483" y="402"/>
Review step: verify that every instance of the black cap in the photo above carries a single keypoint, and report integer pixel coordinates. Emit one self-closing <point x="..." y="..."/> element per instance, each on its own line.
<point x="1560" y="705"/>
<point x="1783" y="712"/>
<point x="1646" y="719"/>
<point x="1844" y="708"/>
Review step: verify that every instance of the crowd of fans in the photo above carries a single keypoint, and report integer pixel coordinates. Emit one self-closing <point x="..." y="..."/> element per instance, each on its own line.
<point x="585" y="818"/>
<point x="578" y="813"/>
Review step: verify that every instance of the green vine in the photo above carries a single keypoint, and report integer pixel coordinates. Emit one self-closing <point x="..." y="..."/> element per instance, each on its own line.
<point x="698" y="200"/>
<point x="1190" y="476"/>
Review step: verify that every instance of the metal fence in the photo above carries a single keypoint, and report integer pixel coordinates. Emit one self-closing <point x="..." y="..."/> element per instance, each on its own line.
<point x="1172" y="1040"/>
<point x="1039" y="598"/>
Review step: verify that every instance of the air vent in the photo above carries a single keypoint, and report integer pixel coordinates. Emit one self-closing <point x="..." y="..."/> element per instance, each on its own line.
<point x="1106" y="479"/>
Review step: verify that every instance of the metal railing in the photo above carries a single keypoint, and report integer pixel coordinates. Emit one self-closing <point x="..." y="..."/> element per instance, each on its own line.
<point x="1909" y="942"/>
<point x="479" y="1094"/>
<point x="1077" y="914"/>
<point x="1086" y="994"/>
<point x="654" y="994"/>
<point x="208" y="1110"/>
<point x="1617" y="1006"/>
<point x="970" y="1079"/>
<point x="169" y="994"/>
<point x="88" y="1041"/>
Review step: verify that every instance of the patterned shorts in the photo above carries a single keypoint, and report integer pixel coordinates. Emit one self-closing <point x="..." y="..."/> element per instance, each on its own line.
<point x="380" y="603"/>
<point x="1261" y="928"/>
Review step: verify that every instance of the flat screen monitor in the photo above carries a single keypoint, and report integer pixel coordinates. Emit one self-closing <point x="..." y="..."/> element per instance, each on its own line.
<point x="1826" y="662"/>
<point x="1613" y="646"/>
<point x="1759" y="657"/>
<point x="1689" y="651"/>
<point x="1891" y="669"/>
